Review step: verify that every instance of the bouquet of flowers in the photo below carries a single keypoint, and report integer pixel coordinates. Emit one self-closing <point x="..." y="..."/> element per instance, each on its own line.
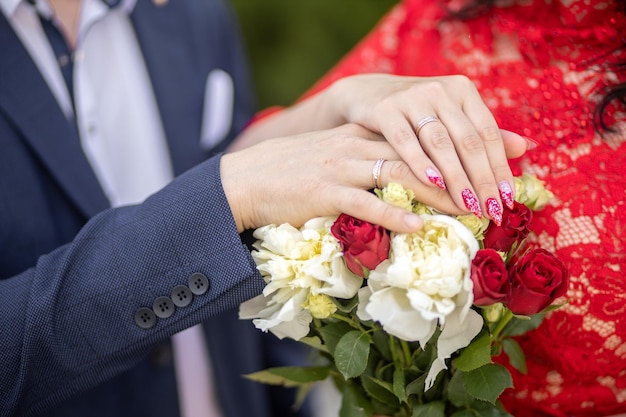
<point x="407" y="324"/>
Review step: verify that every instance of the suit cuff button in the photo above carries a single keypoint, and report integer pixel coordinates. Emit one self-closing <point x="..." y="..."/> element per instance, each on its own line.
<point x="198" y="283"/>
<point x="145" y="318"/>
<point x="181" y="296"/>
<point x="163" y="307"/>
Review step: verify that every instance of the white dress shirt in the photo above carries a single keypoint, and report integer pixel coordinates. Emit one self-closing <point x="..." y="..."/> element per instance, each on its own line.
<point x="121" y="135"/>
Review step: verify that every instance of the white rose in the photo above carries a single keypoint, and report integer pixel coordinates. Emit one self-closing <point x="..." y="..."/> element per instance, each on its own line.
<point x="424" y="284"/>
<point x="286" y="319"/>
<point x="297" y="263"/>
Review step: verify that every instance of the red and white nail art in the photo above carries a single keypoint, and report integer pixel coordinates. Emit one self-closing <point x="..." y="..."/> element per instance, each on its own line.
<point x="494" y="210"/>
<point x="435" y="177"/>
<point x="506" y="193"/>
<point x="471" y="202"/>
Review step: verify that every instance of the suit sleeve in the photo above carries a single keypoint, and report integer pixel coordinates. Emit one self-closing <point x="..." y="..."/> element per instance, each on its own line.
<point x="93" y="307"/>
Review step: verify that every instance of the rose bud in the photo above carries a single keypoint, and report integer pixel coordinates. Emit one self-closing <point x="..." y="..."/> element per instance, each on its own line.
<point x="364" y="244"/>
<point x="514" y="228"/>
<point x="537" y="279"/>
<point x="491" y="282"/>
<point x="531" y="192"/>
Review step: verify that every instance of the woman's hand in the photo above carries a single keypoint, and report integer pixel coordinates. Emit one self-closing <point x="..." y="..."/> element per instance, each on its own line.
<point x="293" y="179"/>
<point x="459" y="149"/>
<point x="441" y="128"/>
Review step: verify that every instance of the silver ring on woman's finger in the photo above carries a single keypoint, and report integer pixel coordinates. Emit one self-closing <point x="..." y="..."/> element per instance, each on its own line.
<point x="376" y="172"/>
<point x="424" y="122"/>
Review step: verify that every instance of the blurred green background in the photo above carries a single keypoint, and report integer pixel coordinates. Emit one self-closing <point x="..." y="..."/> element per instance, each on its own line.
<point x="292" y="43"/>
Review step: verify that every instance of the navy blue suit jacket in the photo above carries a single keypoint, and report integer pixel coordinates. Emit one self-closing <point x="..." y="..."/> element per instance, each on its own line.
<point x="73" y="273"/>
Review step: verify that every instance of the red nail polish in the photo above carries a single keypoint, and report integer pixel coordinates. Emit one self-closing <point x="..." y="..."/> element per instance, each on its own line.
<point x="506" y="193"/>
<point x="494" y="210"/>
<point x="471" y="202"/>
<point x="435" y="177"/>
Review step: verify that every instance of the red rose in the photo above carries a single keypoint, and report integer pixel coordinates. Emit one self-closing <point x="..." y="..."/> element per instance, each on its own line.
<point x="537" y="279"/>
<point x="490" y="278"/>
<point x="514" y="228"/>
<point x="364" y="244"/>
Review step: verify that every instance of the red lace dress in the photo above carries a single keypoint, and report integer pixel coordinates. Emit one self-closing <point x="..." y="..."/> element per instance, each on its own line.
<point x="538" y="66"/>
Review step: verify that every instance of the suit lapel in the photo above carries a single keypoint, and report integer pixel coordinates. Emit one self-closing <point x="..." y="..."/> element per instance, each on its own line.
<point x="26" y="99"/>
<point x="171" y="57"/>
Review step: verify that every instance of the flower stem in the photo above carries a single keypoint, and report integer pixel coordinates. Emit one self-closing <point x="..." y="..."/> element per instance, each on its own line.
<point x="393" y="349"/>
<point x="407" y="352"/>
<point x="347" y="320"/>
<point x="504" y="320"/>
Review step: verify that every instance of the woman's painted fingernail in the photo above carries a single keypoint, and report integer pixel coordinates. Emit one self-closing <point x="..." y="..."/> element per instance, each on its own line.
<point x="435" y="177"/>
<point x="494" y="210"/>
<point x="471" y="202"/>
<point x="506" y="193"/>
<point x="532" y="143"/>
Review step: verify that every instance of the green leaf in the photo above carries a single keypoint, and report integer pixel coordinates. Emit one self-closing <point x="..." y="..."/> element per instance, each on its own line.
<point x="465" y="413"/>
<point x="515" y="353"/>
<point x="553" y="307"/>
<point x="351" y="353"/>
<point x="290" y="376"/>
<point x="302" y="394"/>
<point x="381" y="342"/>
<point x="399" y="384"/>
<point x="434" y="409"/>
<point x="424" y="357"/>
<point x="417" y="386"/>
<point x="476" y="354"/>
<point x="522" y="324"/>
<point x="346" y="306"/>
<point x="354" y="403"/>
<point x="331" y="333"/>
<point x="484" y="409"/>
<point x="380" y="409"/>
<point x="385" y="371"/>
<point x="487" y="382"/>
<point x="470" y="407"/>
<point x="496" y="349"/>
<point x="380" y="390"/>
<point x="457" y="394"/>
<point x="314" y="342"/>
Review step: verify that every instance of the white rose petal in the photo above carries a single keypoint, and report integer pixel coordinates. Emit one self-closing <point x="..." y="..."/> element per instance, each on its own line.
<point x="364" y="300"/>
<point x="455" y="335"/>
<point x="426" y="284"/>
<point x="284" y="320"/>
<point x="342" y="283"/>
<point x="295" y="263"/>
<point x="296" y="328"/>
<point x="391" y="307"/>
<point x="252" y="308"/>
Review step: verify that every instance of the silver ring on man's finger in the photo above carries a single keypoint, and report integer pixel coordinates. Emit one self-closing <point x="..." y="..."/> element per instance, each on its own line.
<point x="376" y="172"/>
<point x="424" y="122"/>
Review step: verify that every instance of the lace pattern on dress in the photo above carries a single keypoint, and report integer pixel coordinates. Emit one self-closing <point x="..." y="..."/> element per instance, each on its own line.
<point x="541" y="66"/>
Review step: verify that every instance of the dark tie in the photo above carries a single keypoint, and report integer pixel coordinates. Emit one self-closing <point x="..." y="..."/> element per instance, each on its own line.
<point x="62" y="53"/>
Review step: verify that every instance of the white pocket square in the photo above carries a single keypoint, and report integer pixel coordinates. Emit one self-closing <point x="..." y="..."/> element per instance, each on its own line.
<point x="217" y="114"/>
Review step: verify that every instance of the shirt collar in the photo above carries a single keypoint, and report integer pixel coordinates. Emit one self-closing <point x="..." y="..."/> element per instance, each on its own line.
<point x="9" y="6"/>
<point x="126" y="5"/>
